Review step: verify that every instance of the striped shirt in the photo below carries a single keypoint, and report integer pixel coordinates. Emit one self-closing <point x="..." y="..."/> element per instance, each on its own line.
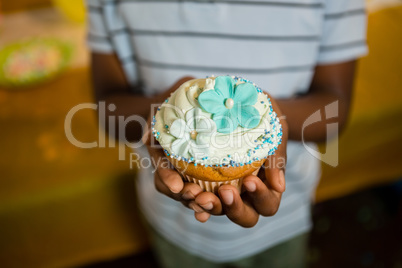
<point x="275" y="44"/>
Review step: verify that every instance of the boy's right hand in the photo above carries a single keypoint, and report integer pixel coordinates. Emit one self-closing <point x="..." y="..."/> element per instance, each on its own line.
<point x="167" y="180"/>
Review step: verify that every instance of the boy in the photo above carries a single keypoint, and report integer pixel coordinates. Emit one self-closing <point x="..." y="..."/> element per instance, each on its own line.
<point x="302" y="52"/>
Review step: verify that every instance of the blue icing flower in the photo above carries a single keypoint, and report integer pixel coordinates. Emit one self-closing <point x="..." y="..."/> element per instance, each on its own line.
<point x="231" y="104"/>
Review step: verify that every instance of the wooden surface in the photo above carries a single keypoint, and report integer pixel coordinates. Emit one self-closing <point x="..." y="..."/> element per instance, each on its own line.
<point x="61" y="205"/>
<point x="9" y="6"/>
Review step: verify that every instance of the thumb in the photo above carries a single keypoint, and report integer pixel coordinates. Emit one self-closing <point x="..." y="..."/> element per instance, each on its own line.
<point x="274" y="173"/>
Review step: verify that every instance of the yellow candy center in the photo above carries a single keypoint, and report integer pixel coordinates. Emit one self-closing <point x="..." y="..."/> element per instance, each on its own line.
<point x="193" y="134"/>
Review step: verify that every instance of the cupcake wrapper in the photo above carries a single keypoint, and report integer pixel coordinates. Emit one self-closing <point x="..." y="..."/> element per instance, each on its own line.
<point x="212" y="186"/>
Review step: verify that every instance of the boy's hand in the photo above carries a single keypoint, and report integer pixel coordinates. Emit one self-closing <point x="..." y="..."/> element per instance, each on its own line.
<point x="167" y="180"/>
<point x="262" y="194"/>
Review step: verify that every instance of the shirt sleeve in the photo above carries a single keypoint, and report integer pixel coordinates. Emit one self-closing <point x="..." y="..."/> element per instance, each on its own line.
<point x="344" y="31"/>
<point x="98" y="37"/>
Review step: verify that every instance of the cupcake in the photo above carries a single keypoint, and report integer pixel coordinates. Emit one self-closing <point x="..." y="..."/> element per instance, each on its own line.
<point x="217" y="130"/>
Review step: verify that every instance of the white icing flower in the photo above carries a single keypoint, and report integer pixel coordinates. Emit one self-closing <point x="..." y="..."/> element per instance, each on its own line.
<point x="194" y="91"/>
<point x="209" y="84"/>
<point x="193" y="134"/>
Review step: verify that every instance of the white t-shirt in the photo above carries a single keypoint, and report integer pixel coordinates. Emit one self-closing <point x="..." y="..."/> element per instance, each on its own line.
<point x="275" y="44"/>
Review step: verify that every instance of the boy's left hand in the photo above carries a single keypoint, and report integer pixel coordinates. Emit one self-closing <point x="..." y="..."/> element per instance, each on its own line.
<point x="262" y="195"/>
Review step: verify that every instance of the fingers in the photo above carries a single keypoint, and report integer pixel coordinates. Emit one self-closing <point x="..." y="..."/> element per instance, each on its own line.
<point x="202" y="216"/>
<point x="265" y="191"/>
<point x="188" y="192"/>
<point x="239" y="211"/>
<point x="273" y="172"/>
<point x="171" y="179"/>
<point x="167" y="180"/>
<point x="209" y="202"/>
<point x="275" y="165"/>
<point x="199" y="213"/>
<point x="265" y="201"/>
<point x="186" y="196"/>
<point x="162" y="187"/>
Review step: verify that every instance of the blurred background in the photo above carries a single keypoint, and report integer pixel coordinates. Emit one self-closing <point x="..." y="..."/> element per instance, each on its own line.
<point x="62" y="206"/>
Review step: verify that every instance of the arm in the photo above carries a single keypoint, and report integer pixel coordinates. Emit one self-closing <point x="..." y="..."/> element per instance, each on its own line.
<point x="330" y="83"/>
<point x="111" y="86"/>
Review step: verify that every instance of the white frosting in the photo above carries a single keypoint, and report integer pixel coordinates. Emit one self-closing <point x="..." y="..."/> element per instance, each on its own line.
<point x="240" y="147"/>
